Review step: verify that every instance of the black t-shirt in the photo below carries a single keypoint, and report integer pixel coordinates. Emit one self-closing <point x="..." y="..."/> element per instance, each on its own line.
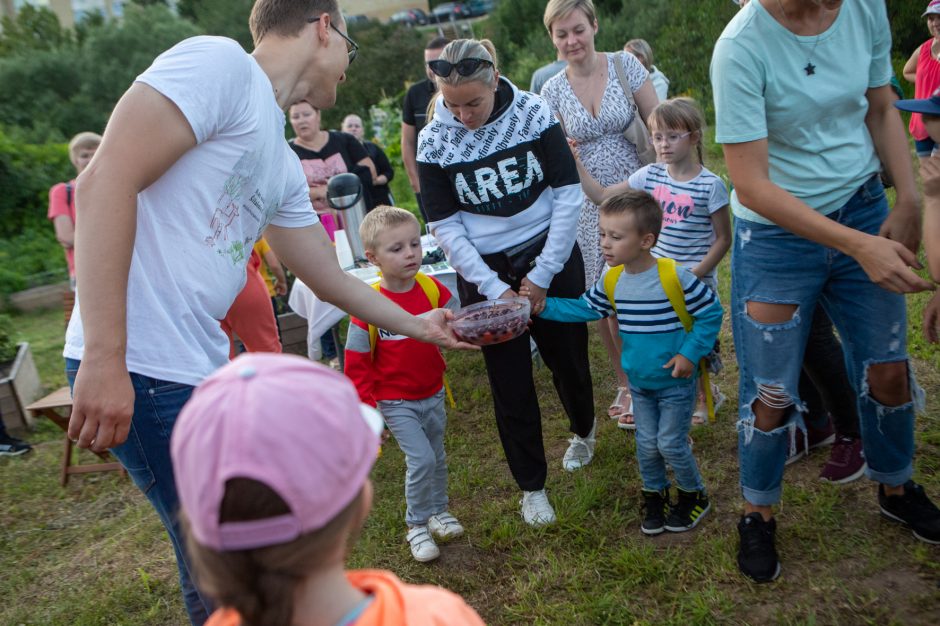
<point x="414" y="110"/>
<point x="341" y="153"/>
<point x="381" y="194"/>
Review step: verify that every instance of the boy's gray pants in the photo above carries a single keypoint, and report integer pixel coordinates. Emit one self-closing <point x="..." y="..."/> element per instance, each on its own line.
<point x="418" y="427"/>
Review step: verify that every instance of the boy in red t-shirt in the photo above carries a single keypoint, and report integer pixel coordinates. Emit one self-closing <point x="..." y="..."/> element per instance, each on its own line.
<point x="404" y="378"/>
<point x="82" y="148"/>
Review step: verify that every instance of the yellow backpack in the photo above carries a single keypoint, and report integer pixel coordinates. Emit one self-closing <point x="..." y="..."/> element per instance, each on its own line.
<point x="673" y="288"/>
<point x="433" y="294"/>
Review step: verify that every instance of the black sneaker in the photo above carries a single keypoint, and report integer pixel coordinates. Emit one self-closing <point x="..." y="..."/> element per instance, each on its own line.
<point x="757" y="556"/>
<point x="11" y="446"/>
<point x="656" y="505"/>
<point x="914" y="509"/>
<point x="688" y="511"/>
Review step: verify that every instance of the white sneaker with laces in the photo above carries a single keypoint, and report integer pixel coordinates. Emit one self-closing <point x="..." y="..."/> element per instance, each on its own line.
<point x="580" y="451"/>
<point x="444" y="526"/>
<point x="536" y="509"/>
<point x="423" y="548"/>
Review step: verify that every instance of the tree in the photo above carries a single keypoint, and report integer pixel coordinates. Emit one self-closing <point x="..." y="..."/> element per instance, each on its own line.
<point x="32" y="29"/>
<point x="227" y="18"/>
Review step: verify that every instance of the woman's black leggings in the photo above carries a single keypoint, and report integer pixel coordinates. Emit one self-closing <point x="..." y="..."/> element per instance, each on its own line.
<point x="564" y="350"/>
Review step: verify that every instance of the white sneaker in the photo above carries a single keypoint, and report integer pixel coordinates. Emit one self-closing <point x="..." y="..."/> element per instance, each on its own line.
<point x="444" y="526"/>
<point x="718" y="398"/>
<point x="580" y="451"/>
<point x="536" y="510"/>
<point x="423" y="548"/>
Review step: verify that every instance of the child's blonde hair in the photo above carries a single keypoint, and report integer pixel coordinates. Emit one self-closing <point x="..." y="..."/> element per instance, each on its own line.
<point x="83" y="141"/>
<point x="678" y="113"/>
<point x="380" y="219"/>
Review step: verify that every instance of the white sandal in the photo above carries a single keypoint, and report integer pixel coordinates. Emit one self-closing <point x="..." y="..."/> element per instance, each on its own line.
<point x="623" y="403"/>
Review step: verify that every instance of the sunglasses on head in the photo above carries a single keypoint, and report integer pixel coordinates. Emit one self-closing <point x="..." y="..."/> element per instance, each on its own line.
<point x="464" y="67"/>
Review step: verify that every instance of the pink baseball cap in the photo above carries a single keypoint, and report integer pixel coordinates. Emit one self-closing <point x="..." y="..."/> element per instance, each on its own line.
<point x="933" y="7"/>
<point x="284" y="421"/>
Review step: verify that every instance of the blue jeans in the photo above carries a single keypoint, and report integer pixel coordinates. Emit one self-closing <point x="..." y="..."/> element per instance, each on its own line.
<point x="418" y="427"/>
<point x="772" y="265"/>
<point x="146" y="457"/>
<point x="663" y="418"/>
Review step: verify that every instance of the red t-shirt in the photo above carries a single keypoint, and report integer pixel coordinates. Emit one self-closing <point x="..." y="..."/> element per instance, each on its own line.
<point x="60" y="204"/>
<point x="402" y="368"/>
<point x="927" y="81"/>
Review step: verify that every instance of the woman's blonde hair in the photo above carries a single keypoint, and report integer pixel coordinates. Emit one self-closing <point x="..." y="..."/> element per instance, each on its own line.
<point x="679" y="113"/>
<point x="557" y="9"/>
<point x="641" y="50"/>
<point x="458" y="50"/>
<point x="259" y="584"/>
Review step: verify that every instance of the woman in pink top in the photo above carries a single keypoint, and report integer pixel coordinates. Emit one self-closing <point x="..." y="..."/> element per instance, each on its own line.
<point x="923" y="69"/>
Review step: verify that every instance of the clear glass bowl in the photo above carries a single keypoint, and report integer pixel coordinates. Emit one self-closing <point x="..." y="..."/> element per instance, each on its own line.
<point x="491" y="322"/>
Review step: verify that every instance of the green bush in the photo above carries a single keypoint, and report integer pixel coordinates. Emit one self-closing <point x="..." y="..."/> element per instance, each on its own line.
<point x="7" y="343"/>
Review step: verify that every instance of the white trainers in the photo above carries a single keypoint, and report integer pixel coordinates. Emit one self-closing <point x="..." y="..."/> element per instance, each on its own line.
<point x="580" y="451"/>
<point x="423" y="548"/>
<point x="536" y="510"/>
<point x="444" y="526"/>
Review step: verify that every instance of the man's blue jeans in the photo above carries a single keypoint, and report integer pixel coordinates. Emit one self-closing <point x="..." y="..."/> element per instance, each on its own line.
<point x="146" y="457"/>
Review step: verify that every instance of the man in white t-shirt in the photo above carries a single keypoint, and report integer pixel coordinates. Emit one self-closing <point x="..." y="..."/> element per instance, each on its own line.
<point x="192" y="169"/>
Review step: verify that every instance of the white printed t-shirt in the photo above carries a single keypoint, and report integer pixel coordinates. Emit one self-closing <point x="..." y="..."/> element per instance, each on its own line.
<point x="197" y="223"/>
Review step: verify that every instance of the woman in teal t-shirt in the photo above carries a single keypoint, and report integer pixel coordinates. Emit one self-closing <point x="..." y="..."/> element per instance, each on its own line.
<point x="804" y="110"/>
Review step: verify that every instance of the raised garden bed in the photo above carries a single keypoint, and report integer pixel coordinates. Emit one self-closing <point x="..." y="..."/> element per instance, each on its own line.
<point x="19" y="387"/>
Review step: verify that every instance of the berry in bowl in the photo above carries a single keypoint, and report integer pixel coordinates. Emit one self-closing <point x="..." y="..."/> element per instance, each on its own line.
<point x="491" y="322"/>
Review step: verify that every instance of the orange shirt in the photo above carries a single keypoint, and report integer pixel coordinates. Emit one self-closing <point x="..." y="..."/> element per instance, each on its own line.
<point x="394" y="603"/>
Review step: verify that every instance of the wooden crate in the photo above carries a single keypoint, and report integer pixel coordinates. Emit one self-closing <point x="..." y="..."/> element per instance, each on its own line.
<point x="293" y="333"/>
<point x="20" y="388"/>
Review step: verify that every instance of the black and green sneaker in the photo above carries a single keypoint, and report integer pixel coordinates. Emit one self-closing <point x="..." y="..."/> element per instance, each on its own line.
<point x="656" y="507"/>
<point x="688" y="511"/>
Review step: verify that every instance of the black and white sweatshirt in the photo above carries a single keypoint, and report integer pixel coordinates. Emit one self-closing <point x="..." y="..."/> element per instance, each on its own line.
<point x="489" y="189"/>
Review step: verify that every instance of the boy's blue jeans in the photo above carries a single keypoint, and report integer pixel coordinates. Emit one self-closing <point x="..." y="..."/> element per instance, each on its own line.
<point x="146" y="457"/>
<point x="772" y="265"/>
<point x="663" y="418"/>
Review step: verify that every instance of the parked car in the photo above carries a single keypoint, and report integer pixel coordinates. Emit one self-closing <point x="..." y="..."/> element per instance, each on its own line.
<point x="450" y="10"/>
<point x="356" y="20"/>
<point x="410" y="17"/>
<point x="477" y="8"/>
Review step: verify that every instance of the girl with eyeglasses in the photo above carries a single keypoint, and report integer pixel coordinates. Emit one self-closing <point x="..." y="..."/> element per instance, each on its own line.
<point x="502" y="195"/>
<point x="696" y="229"/>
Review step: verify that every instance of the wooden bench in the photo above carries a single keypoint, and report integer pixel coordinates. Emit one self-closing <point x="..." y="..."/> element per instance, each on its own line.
<point x="57" y="406"/>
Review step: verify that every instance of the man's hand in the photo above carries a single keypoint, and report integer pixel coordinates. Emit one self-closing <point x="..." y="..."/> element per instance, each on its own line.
<point x="888" y="263"/>
<point x="903" y="225"/>
<point x="932" y="318"/>
<point x="437" y="331"/>
<point x="681" y="366"/>
<point x="103" y="405"/>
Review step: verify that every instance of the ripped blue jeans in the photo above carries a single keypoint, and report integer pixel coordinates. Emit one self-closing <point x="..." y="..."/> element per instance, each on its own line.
<point x="772" y="265"/>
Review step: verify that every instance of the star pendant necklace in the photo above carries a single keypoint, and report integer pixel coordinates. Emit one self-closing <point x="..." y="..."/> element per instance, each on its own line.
<point x="810" y="69"/>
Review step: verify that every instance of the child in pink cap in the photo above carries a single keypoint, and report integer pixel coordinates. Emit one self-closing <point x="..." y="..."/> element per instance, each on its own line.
<point x="272" y="458"/>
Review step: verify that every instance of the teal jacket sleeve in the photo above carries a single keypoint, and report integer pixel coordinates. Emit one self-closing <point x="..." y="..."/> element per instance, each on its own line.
<point x="706" y="312"/>
<point x="570" y="310"/>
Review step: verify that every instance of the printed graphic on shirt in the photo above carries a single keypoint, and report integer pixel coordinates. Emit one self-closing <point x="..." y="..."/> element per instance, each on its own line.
<point x="676" y="207"/>
<point x="496" y="170"/>
<point x="239" y="197"/>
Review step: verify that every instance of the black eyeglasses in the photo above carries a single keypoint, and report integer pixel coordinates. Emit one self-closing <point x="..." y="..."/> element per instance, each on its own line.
<point x="352" y="48"/>
<point x="464" y="67"/>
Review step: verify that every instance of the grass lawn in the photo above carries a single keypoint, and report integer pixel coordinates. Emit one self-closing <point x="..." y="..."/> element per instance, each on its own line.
<point x="94" y="553"/>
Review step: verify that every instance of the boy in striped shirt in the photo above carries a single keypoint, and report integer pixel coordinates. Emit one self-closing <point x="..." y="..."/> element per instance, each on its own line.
<point x="658" y="354"/>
